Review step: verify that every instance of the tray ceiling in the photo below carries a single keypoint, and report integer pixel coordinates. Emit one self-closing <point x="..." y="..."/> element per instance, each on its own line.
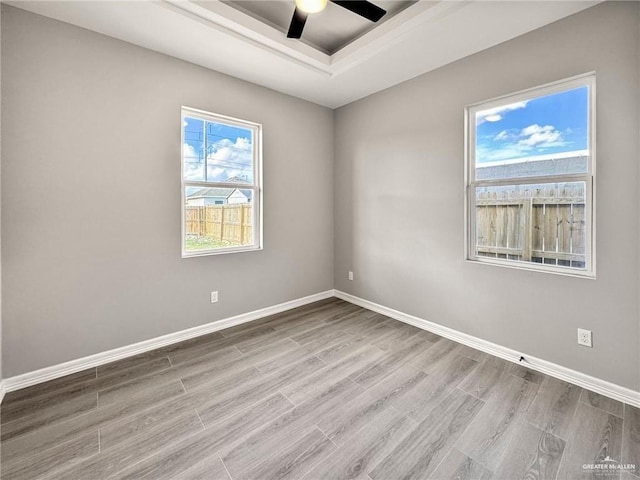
<point x="327" y="31"/>
<point x="416" y="38"/>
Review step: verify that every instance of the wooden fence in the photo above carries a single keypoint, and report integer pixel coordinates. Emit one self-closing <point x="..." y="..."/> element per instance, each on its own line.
<point x="226" y="223"/>
<point x="544" y="224"/>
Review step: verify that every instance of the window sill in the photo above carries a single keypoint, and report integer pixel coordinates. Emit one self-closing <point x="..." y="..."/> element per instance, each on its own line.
<point x="221" y="251"/>
<point x="535" y="267"/>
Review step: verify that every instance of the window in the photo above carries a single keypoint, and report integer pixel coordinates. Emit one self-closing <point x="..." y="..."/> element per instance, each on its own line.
<point x="530" y="178"/>
<point x="221" y="184"/>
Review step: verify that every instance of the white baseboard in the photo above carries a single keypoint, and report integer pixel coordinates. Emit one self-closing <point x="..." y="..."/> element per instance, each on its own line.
<point x="597" y="385"/>
<point x="2" y="391"/>
<point x="56" y="371"/>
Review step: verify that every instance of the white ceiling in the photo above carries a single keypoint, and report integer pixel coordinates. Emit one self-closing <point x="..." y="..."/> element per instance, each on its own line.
<point x="213" y="34"/>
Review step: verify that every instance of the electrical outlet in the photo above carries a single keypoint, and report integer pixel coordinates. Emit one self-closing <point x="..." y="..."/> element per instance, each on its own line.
<point x="214" y="297"/>
<point x="584" y="338"/>
<point x="350" y="275"/>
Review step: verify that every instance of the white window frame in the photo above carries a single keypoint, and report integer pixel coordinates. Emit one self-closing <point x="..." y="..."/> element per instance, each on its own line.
<point x="256" y="186"/>
<point x="588" y="80"/>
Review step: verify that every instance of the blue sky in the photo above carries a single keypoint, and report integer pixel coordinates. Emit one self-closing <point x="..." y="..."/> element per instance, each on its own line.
<point x="546" y="125"/>
<point x="229" y="151"/>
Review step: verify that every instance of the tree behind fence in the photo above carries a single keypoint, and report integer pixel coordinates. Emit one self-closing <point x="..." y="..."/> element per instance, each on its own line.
<point x="540" y="223"/>
<point x="227" y="223"/>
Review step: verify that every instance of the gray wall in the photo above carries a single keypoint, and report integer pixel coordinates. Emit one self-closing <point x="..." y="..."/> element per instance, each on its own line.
<point x="399" y="200"/>
<point x="92" y="124"/>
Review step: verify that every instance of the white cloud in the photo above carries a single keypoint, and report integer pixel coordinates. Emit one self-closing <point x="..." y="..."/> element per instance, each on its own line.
<point x="531" y="140"/>
<point x="536" y="136"/>
<point x="230" y="159"/>
<point x="503" y="135"/>
<point x="495" y="114"/>
<point x="227" y="159"/>
<point x="192" y="163"/>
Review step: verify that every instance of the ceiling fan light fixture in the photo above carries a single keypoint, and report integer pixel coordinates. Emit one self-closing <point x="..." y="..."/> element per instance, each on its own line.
<point x="311" y="6"/>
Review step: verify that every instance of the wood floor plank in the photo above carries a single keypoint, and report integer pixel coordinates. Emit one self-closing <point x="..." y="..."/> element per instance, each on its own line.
<point x="347" y="317"/>
<point x="498" y="363"/>
<point x="471" y="353"/>
<point x="364" y="322"/>
<point x="177" y="458"/>
<point x="607" y="404"/>
<point x="246" y="329"/>
<point x="28" y="406"/>
<point x="457" y="466"/>
<point x="391" y="362"/>
<point x="365" y="449"/>
<point x="304" y="389"/>
<point x="236" y="399"/>
<point x="342" y="313"/>
<point x="282" y="360"/>
<point x="52" y="387"/>
<point x="342" y="424"/>
<point x="535" y="455"/>
<point x="219" y="360"/>
<point x="554" y="406"/>
<point x="115" y="434"/>
<point x="433" y="389"/>
<point x="230" y="379"/>
<point x="258" y="344"/>
<point x="496" y="426"/>
<point x="594" y="436"/>
<point x="333" y="307"/>
<point x="397" y="337"/>
<point x="134" y="448"/>
<point x="309" y="336"/>
<point x="258" y="335"/>
<point x="142" y="358"/>
<point x="631" y="438"/>
<point x="285" y="429"/>
<point x="353" y="342"/>
<point x="525" y="373"/>
<point x="306" y="311"/>
<point x="628" y="476"/>
<point x="481" y="381"/>
<point x="293" y="461"/>
<point x="429" y="336"/>
<point x="54" y="413"/>
<point x="211" y="468"/>
<point x="52" y="460"/>
<point x="49" y="436"/>
<point x="295" y="328"/>
<point x="431" y="357"/>
<point x="67" y="391"/>
<point x="324" y="342"/>
<point x="418" y="455"/>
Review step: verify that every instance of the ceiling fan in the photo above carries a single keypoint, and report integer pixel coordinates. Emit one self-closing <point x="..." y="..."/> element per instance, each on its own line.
<point x="304" y="7"/>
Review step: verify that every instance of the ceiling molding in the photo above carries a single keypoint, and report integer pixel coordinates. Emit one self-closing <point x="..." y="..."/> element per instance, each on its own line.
<point x="209" y="33"/>
<point x="227" y="19"/>
<point x="389" y="34"/>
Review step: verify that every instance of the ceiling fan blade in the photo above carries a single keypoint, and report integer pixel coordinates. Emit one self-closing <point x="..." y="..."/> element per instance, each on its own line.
<point x="365" y="9"/>
<point x="297" y="24"/>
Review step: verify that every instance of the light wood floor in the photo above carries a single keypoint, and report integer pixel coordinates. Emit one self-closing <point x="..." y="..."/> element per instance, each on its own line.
<point x="326" y="391"/>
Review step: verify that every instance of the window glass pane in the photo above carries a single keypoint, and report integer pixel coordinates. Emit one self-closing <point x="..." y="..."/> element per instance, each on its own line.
<point x="229" y="153"/>
<point x="217" y="218"/>
<point x="546" y="135"/>
<point x="540" y="223"/>
<point x="192" y="149"/>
